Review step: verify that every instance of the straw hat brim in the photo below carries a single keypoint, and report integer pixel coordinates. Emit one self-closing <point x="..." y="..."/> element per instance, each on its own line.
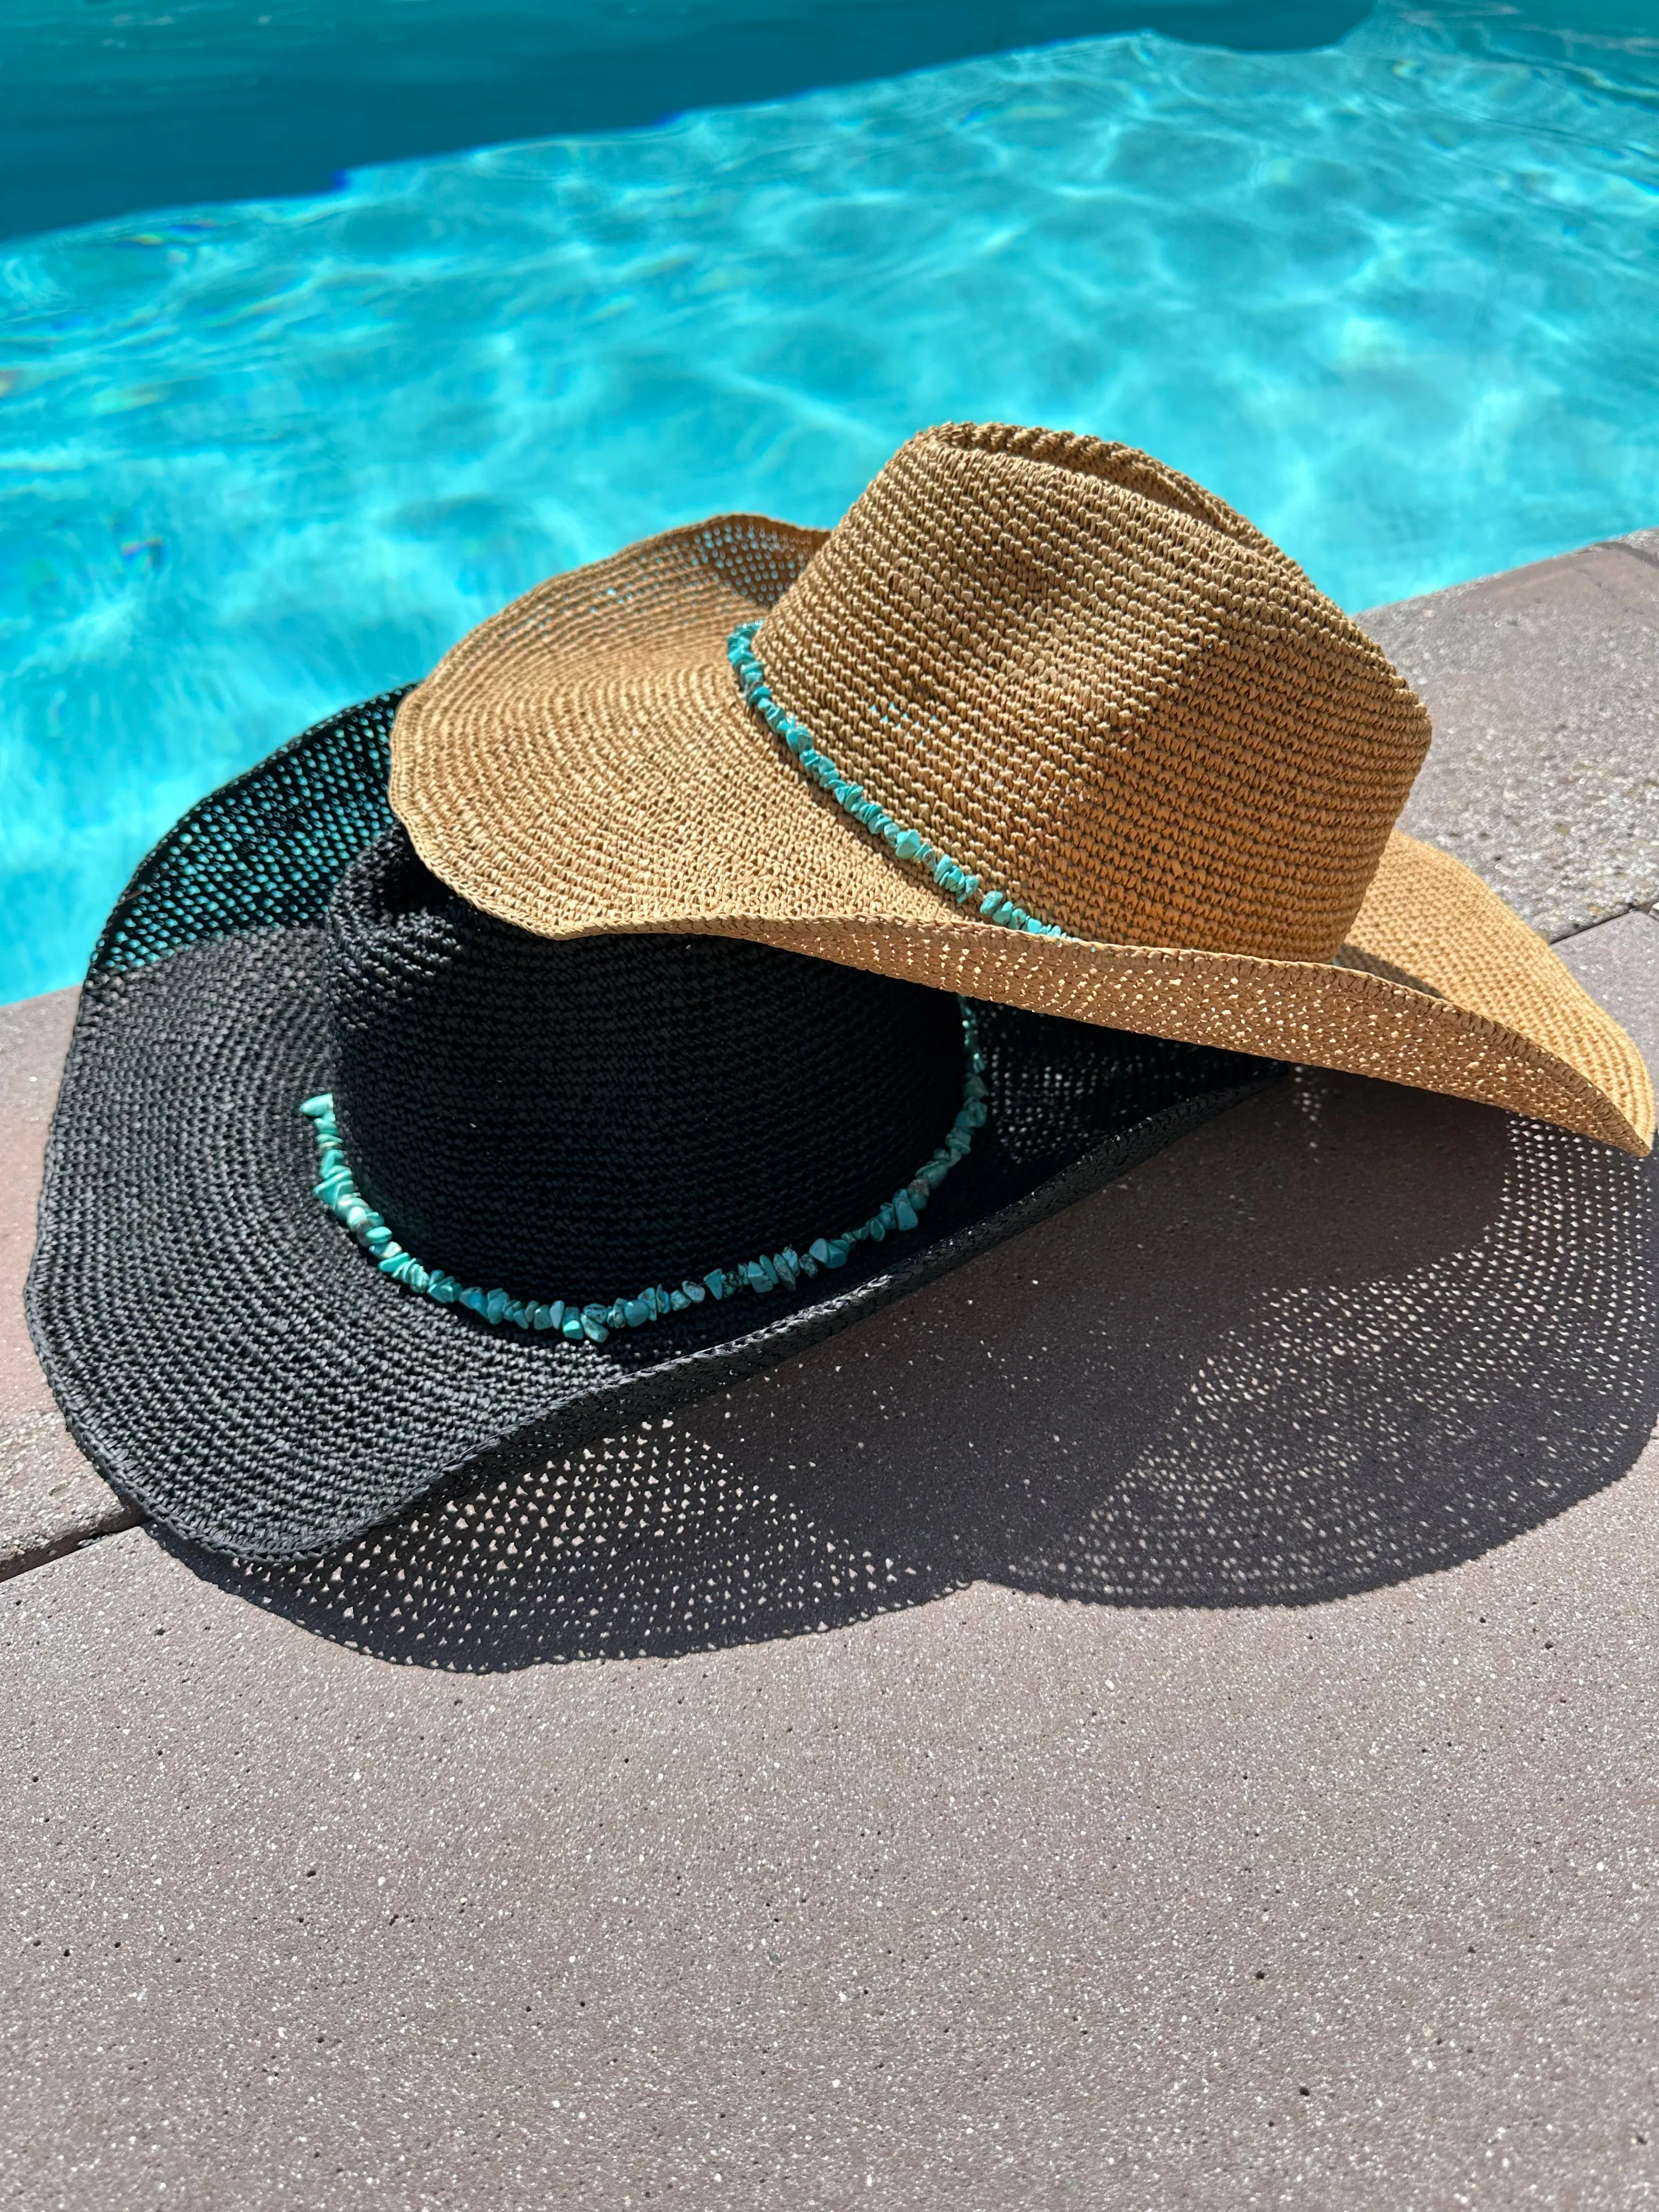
<point x="584" y="762"/>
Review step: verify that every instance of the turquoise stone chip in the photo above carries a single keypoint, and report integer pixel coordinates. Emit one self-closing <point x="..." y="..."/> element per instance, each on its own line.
<point x="517" y="1312"/>
<point x="415" y="1275"/>
<point x="637" y="1313"/>
<point x="716" y="1279"/>
<point x="837" y="1251"/>
<point x="903" y="1212"/>
<point x="571" y="1326"/>
<point x="819" y="1250"/>
<point x="444" y="1289"/>
<point x="696" y="1292"/>
<point x="678" y="1301"/>
<point x="495" y="1305"/>
<point x="595" y="1331"/>
<point x="322" y="1104"/>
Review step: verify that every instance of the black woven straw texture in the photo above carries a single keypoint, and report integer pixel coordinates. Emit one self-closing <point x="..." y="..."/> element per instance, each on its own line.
<point x="579" y="1117"/>
<point x="231" y="1361"/>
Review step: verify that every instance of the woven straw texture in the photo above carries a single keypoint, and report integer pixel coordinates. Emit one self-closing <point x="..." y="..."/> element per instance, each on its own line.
<point x="235" y="1364"/>
<point x="1081" y="676"/>
<point x="607" y="1112"/>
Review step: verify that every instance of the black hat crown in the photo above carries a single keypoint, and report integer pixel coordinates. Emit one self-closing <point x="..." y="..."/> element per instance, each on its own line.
<point x="579" y="1117"/>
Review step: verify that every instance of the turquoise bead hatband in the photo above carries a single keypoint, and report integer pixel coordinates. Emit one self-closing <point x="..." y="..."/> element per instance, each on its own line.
<point x="904" y="844"/>
<point x="338" y="1191"/>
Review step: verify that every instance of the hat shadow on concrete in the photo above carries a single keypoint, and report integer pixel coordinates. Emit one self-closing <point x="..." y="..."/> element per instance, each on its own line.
<point x="1348" y="1334"/>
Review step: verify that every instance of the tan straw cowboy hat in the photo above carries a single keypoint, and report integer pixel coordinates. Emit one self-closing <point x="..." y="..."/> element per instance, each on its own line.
<point x="1041" y="722"/>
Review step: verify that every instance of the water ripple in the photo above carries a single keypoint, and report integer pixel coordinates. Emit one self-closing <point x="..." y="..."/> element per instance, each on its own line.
<point x="1397" y="299"/>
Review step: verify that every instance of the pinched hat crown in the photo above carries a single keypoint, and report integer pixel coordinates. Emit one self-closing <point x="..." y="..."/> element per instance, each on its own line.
<point x="1096" y="686"/>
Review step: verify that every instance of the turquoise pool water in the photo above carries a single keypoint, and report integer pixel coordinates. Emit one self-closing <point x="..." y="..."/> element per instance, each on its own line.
<point x="1397" y="298"/>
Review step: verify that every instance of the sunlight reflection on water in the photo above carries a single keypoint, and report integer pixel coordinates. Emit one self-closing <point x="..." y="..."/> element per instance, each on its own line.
<point x="1397" y="301"/>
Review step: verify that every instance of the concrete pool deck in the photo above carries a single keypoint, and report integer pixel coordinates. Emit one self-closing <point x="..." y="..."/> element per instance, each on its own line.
<point x="1185" y="1740"/>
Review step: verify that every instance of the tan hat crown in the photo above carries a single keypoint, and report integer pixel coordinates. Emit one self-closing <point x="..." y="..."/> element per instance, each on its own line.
<point x="1100" y="690"/>
<point x="1044" y="661"/>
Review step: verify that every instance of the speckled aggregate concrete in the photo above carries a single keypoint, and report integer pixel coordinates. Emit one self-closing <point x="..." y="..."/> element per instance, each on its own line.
<point x="49" y="1499"/>
<point x="999" y="1902"/>
<point x="1544" y="687"/>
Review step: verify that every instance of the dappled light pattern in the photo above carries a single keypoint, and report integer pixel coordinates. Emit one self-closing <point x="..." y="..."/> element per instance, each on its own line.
<point x="1348" y="1334"/>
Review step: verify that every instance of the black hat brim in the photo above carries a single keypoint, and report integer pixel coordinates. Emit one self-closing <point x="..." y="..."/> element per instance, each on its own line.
<point x="236" y="1366"/>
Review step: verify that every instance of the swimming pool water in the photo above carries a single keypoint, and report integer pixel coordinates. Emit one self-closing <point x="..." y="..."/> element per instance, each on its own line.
<point x="1397" y="299"/>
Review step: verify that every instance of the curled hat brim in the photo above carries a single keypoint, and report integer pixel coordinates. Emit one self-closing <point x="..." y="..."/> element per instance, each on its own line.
<point x="232" y="1362"/>
<point x="583" y="761"/>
